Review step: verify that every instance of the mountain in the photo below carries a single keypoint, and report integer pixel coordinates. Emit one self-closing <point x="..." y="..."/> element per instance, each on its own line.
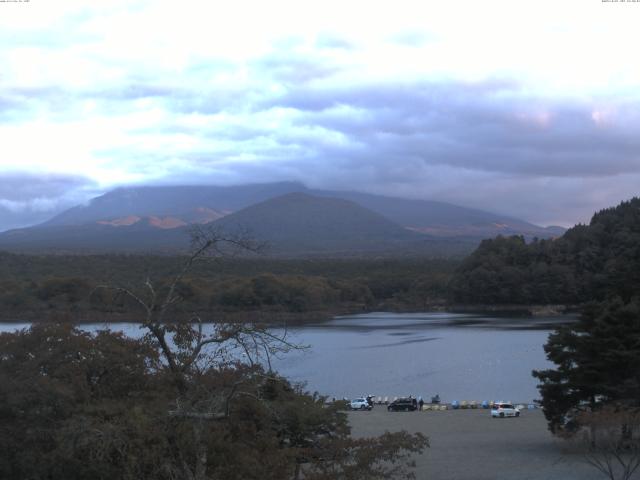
<point x="423" y="216"/>
<point x="294" y="224"/>
<point x="289" y="215"/>
<point x="93" y="238"/>
<point x="177" y="201"/>
<point x="298" y="222"/>
<point x="444" y="219"/>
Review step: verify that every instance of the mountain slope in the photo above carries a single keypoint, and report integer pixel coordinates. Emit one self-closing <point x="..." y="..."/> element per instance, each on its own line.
<point x="169" y="201"/>
<point x="156" y="218"/>
<point x="444" y="219"/>
<point x="91" y="238"/>
<point x="424" y="216"/>
<point x="298" y="222"/>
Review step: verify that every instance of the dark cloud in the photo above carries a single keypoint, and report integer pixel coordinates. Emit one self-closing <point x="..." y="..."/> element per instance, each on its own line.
<point x="486" y="127"/>
<point x="29" y="198"/>
<point x="25" y="187"/>
<point x="396" y="95"/>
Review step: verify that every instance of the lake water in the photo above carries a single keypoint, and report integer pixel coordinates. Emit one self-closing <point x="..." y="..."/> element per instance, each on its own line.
<point x="458" y="356"/>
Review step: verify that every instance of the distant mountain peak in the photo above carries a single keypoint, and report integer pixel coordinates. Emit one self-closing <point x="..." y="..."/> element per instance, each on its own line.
<point x="298" y="222"/>
<point x="287" y="212"/>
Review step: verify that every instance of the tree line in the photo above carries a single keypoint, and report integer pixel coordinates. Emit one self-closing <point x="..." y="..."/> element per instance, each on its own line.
<point x="589" y="262"/>
<point x="37" y="288"/>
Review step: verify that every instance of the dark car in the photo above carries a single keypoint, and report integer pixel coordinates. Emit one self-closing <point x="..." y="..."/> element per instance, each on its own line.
<point x="403" y="404"/>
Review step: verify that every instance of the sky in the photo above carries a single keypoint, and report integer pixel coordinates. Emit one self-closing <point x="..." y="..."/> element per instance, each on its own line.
<point x="526" y="108"/>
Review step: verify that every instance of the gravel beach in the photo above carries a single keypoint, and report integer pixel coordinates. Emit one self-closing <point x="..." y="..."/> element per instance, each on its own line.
<point x="470" y="445"/>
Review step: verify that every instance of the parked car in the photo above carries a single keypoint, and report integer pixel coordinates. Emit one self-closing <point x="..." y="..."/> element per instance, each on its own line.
<point x="403" y="404"/>
<point x="501" y="410"/>
<point x="360" y="404"/>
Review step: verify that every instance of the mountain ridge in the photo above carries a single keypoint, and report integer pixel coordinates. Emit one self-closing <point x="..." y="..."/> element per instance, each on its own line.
<point x="155" y="217"/>
<point x="179" y="200"/>
<point x="301" y="222"/>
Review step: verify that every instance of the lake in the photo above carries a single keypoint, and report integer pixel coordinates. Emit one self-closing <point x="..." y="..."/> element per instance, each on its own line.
<point x="458" y="356"/>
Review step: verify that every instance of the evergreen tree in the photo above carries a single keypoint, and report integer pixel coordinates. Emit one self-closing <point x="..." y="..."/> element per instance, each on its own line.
<point x="598" y="363"/>
<point x="589" y="262"/>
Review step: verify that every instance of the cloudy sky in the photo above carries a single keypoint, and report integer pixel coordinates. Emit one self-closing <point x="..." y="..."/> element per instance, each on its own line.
<point x="529" y="108"/>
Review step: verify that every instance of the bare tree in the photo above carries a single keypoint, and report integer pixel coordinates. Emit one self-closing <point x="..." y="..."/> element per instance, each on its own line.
<point x="611" y="437"/>
<point x="183" y="344"/>
<point x="219" y="383"/>
<point x="190" y="349"/>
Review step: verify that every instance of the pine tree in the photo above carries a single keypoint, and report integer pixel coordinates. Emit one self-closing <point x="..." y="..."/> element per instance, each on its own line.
<point x="598" y="363"/>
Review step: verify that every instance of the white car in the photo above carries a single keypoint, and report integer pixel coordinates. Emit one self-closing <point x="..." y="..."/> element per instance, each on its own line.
<point x="502" y="409"/>
<point x="360" y="404"/>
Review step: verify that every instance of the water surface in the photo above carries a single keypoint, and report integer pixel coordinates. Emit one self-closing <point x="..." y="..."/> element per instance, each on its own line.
<point x="458" y="356"/>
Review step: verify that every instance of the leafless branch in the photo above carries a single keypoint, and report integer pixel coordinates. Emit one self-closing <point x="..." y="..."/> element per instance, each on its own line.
<point x="612" y="438"/>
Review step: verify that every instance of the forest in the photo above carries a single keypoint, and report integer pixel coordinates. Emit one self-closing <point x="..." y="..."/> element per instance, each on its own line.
<point x="65" y="287"/>
<point x="589" y="262"/>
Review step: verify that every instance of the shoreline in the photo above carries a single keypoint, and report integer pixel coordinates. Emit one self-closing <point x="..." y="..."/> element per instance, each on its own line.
<point x="296" y="318"/>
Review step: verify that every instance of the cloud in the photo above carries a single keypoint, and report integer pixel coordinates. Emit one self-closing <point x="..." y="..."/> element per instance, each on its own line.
<point x="535" y="117"/>
<point x="31" y="198"/>
<point x="478" y="126"/>
<point x="21" y="187"/>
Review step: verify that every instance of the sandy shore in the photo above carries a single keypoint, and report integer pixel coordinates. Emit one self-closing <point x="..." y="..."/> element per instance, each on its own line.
<point x="470" y="445"/>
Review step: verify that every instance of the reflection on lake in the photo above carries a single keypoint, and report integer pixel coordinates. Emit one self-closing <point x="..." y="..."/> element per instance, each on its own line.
<point x="459" y="356"/>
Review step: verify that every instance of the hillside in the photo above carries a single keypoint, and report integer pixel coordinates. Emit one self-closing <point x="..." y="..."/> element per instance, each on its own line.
<point x="445" y="219"/>
<point x="589" y="262"/>
<point x="141" y="236"/>
<point x="294" y="224"/>
<point x="169" y="201"/>
<point x="298" y="222"/>
<point x="431" y="217"/>
<point x="156" y="219"/>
